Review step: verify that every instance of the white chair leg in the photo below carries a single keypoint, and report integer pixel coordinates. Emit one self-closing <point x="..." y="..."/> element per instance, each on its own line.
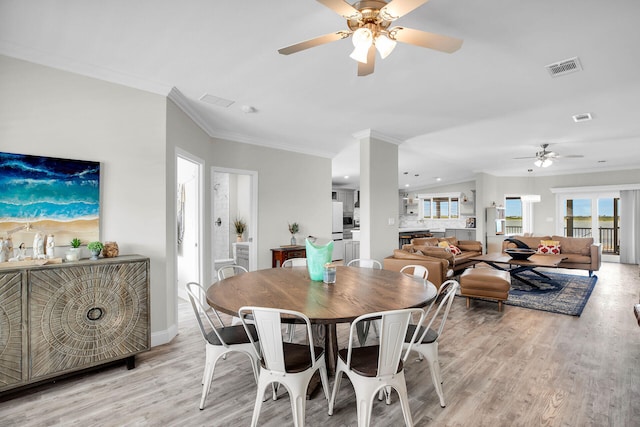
<point x="431" y="354"/>
<point x="298" y="395"/>
<point x="262" y="386"/>
<point x="324" y="378"/>
<point x="336" y="387"/>
<point x="363" y="407"/>
<point x="401" y="388"/>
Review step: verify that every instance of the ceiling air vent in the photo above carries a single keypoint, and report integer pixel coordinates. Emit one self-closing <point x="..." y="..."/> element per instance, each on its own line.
<point x="214" y="100"/>
<point x="564" y="67"/>
<point x="584" y="117"/>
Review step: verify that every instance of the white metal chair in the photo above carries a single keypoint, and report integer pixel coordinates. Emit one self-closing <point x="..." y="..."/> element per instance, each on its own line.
<point x="415" y="270"/>
<point x="372" y="369"/>
<point x="230" y="271"/>
<point x="294" y="262"/>
<point x="219" y="339"/>
<point x="289" y="364"/>
<point x="363" y="329"/>
<point x="424" y="339"/>
<point x="365" y="263"/>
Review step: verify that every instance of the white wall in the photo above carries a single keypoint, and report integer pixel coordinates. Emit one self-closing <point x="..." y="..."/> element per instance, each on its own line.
<point x="48" y="112"/>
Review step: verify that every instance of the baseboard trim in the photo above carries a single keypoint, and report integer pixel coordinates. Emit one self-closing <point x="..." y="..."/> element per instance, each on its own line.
<point x="164" y="337"/>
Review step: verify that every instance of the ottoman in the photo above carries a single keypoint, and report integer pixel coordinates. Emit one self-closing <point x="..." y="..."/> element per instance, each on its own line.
<point x="485" y="283"/>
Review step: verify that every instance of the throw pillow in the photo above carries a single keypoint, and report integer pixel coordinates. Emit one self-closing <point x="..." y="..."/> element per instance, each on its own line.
<point x="455" y="250"/>
<point x="443" y="244"/>
<point x="549" y="247"/>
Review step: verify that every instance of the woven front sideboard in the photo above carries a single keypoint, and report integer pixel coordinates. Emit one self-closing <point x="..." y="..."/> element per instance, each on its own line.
<point x="57" y="319"/>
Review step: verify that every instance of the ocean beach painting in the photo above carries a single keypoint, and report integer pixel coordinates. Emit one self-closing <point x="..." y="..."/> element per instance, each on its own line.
<point x="52" y="196"/>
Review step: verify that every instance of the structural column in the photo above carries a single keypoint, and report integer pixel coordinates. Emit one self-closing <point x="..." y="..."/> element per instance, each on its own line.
<point x="378" y="195"/>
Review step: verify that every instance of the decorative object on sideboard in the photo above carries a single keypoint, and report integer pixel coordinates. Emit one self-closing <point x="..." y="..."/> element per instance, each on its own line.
<point x="240" y="226"/>
<point x="293" y="229"/>
<point x="110" y="250"/>
<point x="50" y="246"/>
<point x="38" y="246"/>
<point x="74" y="251"/>
<point x="95" y="248"/>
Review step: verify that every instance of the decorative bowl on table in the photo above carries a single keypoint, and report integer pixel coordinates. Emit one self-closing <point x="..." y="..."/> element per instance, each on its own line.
<point x="520" y="253"/>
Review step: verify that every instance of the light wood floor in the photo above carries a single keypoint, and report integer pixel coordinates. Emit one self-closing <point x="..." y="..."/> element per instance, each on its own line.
<point x="517" y="368"/>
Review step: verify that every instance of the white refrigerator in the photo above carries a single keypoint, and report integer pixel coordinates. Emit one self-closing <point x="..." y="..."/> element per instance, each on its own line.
<point x="336" y="232"/>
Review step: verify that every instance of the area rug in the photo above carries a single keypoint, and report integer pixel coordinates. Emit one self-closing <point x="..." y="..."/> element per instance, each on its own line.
<point x="564" y="294"/>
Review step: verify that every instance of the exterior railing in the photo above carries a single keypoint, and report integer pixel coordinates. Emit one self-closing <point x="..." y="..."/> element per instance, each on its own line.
<point x="608" y="236"/>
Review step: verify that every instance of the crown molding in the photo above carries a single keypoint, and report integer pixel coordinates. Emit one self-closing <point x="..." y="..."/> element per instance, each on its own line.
<point x="372" y="133"/>
<point x="185" y="105"/>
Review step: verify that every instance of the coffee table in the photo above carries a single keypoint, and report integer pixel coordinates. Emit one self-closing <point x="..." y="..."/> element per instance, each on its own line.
<point x="518" y="266"/>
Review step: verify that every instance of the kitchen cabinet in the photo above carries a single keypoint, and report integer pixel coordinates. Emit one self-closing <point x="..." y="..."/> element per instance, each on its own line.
<point x="241" y="254"/>
<point x="351" y="250"/>
<point x="63" y="318"/>
<point x="461" y="233"/>
<point x="347" y="197"/>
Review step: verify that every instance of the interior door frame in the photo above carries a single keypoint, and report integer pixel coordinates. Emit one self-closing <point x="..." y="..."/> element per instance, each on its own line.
<point x="185" y="155"/>
<point x="252" y="235"/>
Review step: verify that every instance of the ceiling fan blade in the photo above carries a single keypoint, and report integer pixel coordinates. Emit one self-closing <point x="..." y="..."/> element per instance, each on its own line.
<point x="342" y="8"/>
<point x="366" y="69"/>
<point x="397" y="8"/>
<point x="522" y="158"/>
<point x="307" y="44"/>
<point x="424" y="39"/>
<point x="571" y="156"/>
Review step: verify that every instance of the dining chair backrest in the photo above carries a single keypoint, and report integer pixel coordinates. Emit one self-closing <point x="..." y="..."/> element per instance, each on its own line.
<point x="448" y="291"/>
<point x="365" y="263"/>
<point x="268" y="322"/>
<point x="415" y="270"/>
<point x="206" y="324"/>
<point x="294" y="262"/>
<point x="393" y="328"/>
<point x="230" y="271"/>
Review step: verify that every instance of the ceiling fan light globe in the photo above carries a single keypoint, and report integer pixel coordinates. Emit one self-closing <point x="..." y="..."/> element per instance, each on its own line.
<point x="362" y="38"/>
<point x="360" y="54"/>
<point x="385" y="45"/>
<point x="543" y="163"/>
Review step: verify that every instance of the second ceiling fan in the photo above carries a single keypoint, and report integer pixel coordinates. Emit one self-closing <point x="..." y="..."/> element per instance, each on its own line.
<point x="369" y="23"/>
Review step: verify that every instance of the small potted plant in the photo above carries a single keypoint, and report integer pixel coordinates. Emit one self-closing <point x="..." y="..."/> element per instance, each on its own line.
<point x="95" y="248"/>
<point x="293" y="229"/>
<point x="240" y="226"/>
<point x="74" y="250"/>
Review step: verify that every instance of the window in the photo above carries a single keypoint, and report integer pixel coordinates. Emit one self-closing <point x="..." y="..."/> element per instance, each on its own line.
<point x="513" y="214"/>
<point x="439" y="206"/>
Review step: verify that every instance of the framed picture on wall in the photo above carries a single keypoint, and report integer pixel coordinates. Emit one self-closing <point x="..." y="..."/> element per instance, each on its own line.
<point x="50" y="196"/>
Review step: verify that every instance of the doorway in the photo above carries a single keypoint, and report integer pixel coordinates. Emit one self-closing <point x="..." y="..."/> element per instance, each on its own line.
<point x="234" y="198"/>
<point x="188" y="221"/>
<point x="594" y="215"/>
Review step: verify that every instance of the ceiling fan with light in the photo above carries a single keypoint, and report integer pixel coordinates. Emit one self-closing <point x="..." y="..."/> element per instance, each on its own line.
<point x="369" y="23"/>
<point x="545" y="158"/>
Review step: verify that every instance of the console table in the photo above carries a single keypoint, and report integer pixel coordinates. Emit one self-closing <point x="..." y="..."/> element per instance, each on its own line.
<point x="60" y="318"/>
<point x="283" y="253"/>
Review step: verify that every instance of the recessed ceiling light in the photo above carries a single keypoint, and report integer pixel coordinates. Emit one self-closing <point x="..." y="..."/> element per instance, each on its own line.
<point x="248" y="109"/>
<point x="405" y="173"/>
<point x="346" y="177"/>
<point x="417" y="174"/>
<point x="602" y="161"/>
<point x="438" y="179"/>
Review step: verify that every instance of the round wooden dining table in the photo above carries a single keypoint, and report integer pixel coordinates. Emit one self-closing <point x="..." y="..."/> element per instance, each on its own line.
<point x="357" y="291"/>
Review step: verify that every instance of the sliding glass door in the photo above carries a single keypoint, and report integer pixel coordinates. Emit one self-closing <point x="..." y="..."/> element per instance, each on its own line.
<point x="594" y="215"/>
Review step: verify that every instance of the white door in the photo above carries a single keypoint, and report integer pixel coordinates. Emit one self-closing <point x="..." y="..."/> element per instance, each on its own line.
<point x="188" y="222"/>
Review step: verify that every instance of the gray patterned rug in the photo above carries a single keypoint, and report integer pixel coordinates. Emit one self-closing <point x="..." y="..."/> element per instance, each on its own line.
<point x="564" y="294"/>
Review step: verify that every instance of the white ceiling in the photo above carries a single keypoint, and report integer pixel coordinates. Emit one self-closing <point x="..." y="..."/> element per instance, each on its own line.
<point x="453" y="114"/>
